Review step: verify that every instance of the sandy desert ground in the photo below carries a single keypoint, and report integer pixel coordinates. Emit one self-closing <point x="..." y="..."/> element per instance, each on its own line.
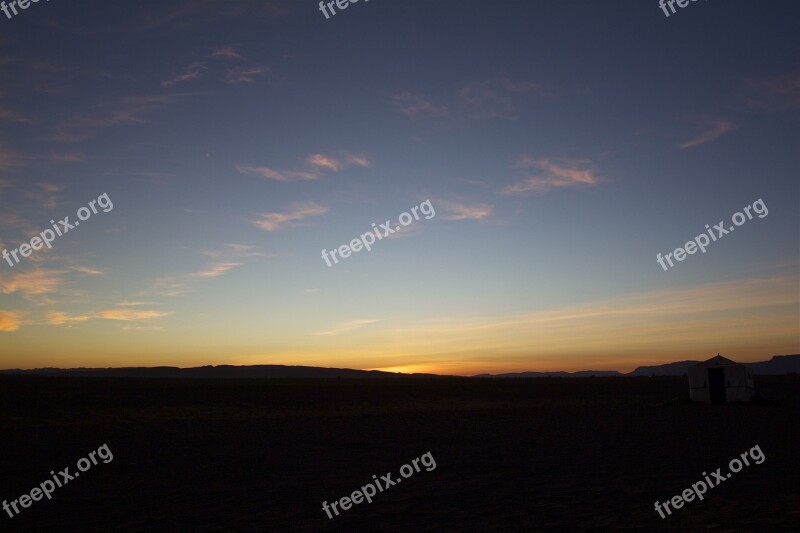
<point x="511" y="455"/>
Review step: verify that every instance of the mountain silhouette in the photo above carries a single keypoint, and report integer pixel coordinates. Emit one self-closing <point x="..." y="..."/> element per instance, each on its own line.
<point x="779" y="364"/>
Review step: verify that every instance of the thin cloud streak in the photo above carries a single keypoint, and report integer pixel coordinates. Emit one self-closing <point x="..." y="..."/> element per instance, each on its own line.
<point x="122" y="111"/>
<point x="335" y="164"/>
<point x="677" y="321"/>
<point x="133" y="315"/>
<point x="459" y="211"/>
<point x="33" y="285"/>
<point x="488" y="99"/>
<point x="9" y="321"/>
<point x="317" y="165"/>
<point x="46" y="195"/>
<point x="227" y="52"/>
<point x="12" y="116"/>
<point x="215" y="270"/>
<point x="88" y="271"/>
<point x="276" y="175"/>
<point x="564" y="174"/>
<point x="190" y="72"/>
<point x="180" y="285"/>
<point x="780" y="93"/>
<point x="344" y="327"/>
<point x="415" y="104"/>
<point x="238" y="75"/>
<point x="275" y="221"/>
<point x="718" y="127"/>
<point x="494" y="98"/>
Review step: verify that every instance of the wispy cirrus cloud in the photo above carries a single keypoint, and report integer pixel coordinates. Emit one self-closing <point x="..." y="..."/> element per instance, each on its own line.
<point x="87" y="270"/>
<point x="733" y="314"/>
<point x="10" y="220"/>
<point x="461" y="211"/>
<point x="12" y="116"/>
<point x="64" y="157"/>
<point x="324" y="162"/>
<point x="34" y="285"/>
<point x="45" y="194"/>
<point x="9" y="321"/>
<point x="134" y="304"/>
<point x="495" y="98"/>
<point x="59" y="318"/>
<point x="416" y="105"/>
<point x="234" y="250"/>
<point x="214" y="270"/>
<point x="337" y="163"/>
<point x="10" y="159"/>
<point x="238" y="75"/>
<point x="227" y="52"/>
<point x="182" y="284"/>
<point x="122" y="111"/>
<point x="780" y="93"/>
<point x="316" y="166"/>
<point x="246" y="73"/>
<point x="350" y="325"/>
<point x="278" y="175"/>
<point x="275" y="220"/>
<point x="133" y="314"/>
<point x="554" y="175"/>
<point x="714" y="129"/>
<point x="188" y="73"/>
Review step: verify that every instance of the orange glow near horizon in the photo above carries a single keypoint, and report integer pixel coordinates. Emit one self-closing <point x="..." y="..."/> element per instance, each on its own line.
<point x="622" y="333"/>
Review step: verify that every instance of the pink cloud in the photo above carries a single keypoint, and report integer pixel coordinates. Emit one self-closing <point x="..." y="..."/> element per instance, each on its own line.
<point x="245" y="74"/>
<point x="716" y="128"/>
<point x="459" y="211"/>
<point x="190" y="72"/>
<point x="318" y="163"/>
<point x="227" y="52"/>
<point x="275" y="221"/>
<point x="270" y="174"/>
<point x="564" y="174"/>
<point x="9" y="321"/>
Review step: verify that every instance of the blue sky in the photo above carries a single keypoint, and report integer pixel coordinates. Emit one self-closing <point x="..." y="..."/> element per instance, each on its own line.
<point x="563" y="145"/>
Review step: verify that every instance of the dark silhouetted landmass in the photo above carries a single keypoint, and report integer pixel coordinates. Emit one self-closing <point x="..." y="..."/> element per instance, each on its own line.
<point x="513" y="455"/>
<point x="581" y="374"/>
<point x="779" y="364"/>
<point x="222" y="371"/>
<point x="670" y="369"/>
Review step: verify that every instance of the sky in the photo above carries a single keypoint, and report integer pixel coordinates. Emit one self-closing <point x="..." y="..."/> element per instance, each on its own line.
<point x="561" y="146"/>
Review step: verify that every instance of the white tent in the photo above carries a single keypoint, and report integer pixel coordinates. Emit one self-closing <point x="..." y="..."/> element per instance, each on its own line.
<point x="720" y="380"/>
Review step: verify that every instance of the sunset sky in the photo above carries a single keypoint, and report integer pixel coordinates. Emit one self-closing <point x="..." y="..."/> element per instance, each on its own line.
<point x="563" y="145"/>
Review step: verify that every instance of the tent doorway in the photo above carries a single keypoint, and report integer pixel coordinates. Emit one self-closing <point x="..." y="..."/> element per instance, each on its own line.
<point x="716" y="385"/>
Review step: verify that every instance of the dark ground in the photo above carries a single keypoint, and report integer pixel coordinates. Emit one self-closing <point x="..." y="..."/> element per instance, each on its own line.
<point x="511" y="455"/>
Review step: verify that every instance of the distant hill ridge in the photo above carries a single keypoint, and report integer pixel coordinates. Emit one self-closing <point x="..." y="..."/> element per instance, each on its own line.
<point x="779" y="364"/>
<point x="221" y="371"/>
<point x="579" y="374"/>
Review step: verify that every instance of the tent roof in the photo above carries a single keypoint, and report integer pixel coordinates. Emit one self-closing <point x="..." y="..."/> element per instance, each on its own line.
<point x="718" y="360"/>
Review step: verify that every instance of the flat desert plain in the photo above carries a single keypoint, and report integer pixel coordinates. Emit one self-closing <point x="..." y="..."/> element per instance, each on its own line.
<point x="511" y="454"/>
